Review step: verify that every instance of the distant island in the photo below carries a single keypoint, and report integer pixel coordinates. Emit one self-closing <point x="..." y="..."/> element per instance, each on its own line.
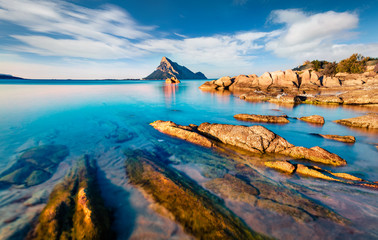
<point x="7" y="76"/>
<point x="169" y="69"/>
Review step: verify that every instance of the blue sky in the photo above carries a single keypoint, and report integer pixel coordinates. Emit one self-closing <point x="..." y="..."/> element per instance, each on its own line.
<point x="84" y="39"/>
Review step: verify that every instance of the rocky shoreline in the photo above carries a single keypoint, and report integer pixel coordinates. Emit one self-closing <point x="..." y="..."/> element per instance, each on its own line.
<point x="297" y="87"/>
<point x="259" y="140"/>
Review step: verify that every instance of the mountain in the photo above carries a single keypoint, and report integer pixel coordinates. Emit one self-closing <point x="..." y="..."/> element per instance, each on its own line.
<point x="6" y="76"/>
<point x="168" y="69"/>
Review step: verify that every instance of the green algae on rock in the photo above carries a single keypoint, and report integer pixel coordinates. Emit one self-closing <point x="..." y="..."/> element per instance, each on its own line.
<point x="34" y="166"/>
<point x="75" y="209"/>
<point x="201" y="213"/>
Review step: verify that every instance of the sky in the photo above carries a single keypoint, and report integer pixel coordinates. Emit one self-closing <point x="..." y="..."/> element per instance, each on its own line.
<point x="118" y="39"/>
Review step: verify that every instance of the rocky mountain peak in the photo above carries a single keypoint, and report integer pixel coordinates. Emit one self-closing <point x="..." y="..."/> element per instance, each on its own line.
<point x="168" y="69"/>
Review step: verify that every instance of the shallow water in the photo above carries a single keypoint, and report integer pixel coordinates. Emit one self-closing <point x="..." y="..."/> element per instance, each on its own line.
<point x="89" y="117"/>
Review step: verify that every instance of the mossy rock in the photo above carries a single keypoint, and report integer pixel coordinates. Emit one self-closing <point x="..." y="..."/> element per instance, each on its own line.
<point x="35" y="166"/>
<point x="75" y="209"/>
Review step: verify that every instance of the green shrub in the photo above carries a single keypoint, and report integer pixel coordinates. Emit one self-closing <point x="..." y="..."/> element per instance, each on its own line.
<point x="354" y="64"/>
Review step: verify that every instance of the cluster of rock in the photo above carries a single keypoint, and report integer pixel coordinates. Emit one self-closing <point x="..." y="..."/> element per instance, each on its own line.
<point x="172" y="80"/>
<point x="255" y="139"/>
<point x="289" y="87"/>
<point x="258" y="139"/>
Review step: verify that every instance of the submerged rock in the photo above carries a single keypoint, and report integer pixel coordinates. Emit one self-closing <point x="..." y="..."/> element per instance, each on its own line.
<point x="346" y="139"/>
<point x="283" y="166"/>
<point x="313" y="119"/>
<point x="201" y="213"/>
<point x="255" y="139"/>
<point x="366" y="121"/>
<point x="35" y="166"/>
<point x="262" y="118"/>
<point x="75" y="209"/>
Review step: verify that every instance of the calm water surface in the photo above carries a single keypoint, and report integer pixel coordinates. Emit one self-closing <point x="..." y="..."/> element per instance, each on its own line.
<point x="85" y="117"/>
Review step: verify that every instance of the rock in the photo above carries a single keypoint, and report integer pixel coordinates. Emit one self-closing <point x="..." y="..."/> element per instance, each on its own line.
<point x="353" y="82"/>
<point x="365" y="96"/>
<point x="172" y="80"/>
<point x="245" y="82"/>
<point x="305" y="78"/>
<point x="224" y="82"/>
<point x="200" y="213"/>
<point x="283" y="166"/>
<point x="265" y="80"/>
<point x="366" y="121"/>
<point x="313" y="119"/>
<point x="347" y="139"/>
<point x="291" y="77"/>
<point x="315" y="78"/>
<point x="331" y="82"/>
<point x="262" y="118"/>
<point x="278" y="77"/>
<point x="168" y="69"/>
<point x="183" y="132"/>
<point x="256" y="139"/>
<point x="209" y="85"/>
<point x="346" y="176"/>
<point x="315" y="154"/>
<point x="304" y="170"/>
<point x="35" y="165"/>
<point x="75" y="208"/>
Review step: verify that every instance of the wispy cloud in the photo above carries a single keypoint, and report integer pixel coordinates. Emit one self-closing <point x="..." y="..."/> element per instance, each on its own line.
<point x="76" y="31"/>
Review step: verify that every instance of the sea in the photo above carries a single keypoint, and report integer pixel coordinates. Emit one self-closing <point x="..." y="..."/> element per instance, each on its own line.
<point x="89" y="116"/>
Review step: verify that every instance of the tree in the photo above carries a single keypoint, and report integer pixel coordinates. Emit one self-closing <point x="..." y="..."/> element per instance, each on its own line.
<point x="330" y="69"/>
<point x="354" y="64"/>
<point x="317" y="64"/>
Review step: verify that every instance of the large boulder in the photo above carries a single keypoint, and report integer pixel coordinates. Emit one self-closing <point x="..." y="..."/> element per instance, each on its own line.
<point x="265" y="80"/>
<point x="256" y="139"/>
<point x="306" y="77"/>
<point x="291" y="78"/>
<point x="331" y="82"/>
<point x="245" y="82"/>
<point x="224" y="82"/>
<point x="209" y="85"/>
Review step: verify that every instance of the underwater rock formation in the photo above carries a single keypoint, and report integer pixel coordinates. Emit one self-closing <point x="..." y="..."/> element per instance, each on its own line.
<point x="34" y="166"/>
<point x="201" y="213"/>
<point x="75" y="209"/>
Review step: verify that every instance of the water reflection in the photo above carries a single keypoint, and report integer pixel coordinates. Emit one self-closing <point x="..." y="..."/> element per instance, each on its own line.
<point x="170" y="93"/>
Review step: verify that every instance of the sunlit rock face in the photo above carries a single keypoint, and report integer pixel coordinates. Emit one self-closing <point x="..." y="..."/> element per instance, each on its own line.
<point x="169" y="69"/>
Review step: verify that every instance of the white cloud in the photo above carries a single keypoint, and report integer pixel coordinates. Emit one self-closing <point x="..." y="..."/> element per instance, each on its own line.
<point x="77" y="31"/>
<point x="312" y="36"/>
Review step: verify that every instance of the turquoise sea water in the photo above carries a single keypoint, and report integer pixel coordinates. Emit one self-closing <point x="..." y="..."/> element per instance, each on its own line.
<point x="89" y="118"/>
